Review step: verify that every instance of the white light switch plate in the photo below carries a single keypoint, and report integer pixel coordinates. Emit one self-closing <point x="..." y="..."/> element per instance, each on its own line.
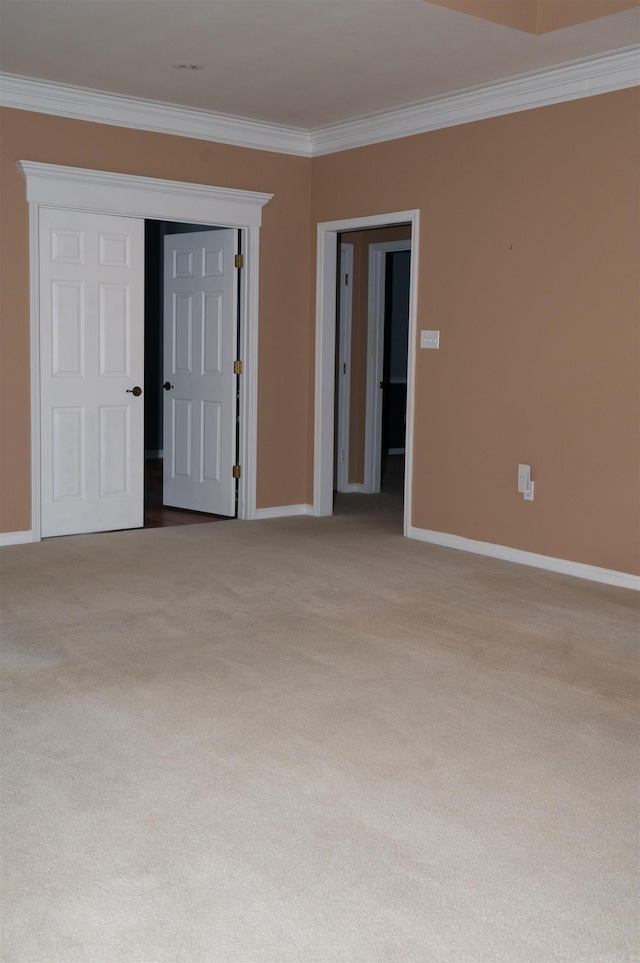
<point x="429" y="339"/>
<point x="524" y="477"/>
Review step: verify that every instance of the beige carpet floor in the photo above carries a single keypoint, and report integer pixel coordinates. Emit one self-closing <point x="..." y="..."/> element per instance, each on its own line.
<point x="313" y="740"/>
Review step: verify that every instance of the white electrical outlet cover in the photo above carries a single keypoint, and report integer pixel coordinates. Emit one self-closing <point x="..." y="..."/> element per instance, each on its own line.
<point x="429" y="339"/>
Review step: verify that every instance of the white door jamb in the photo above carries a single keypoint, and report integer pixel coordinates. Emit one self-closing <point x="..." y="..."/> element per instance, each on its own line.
<point x="344" y="366"/>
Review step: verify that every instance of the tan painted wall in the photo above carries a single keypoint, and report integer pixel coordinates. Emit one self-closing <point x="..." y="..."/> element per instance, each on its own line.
<point x="528" y="265"/>
<point x="359" y="324"/>
<point x="529" y="257"/>
<point x="520" y="15"/>
<point x="555" y="15"/>
<point x="284" y="283"/>
<point x="538" y="16"/>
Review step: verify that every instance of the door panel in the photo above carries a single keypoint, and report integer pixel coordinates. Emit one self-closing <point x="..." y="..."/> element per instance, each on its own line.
<point x="114" y="450"/>
<point x="68" y="452"/>
<point x="91" y="354"/>
<point x="200" y="328"/>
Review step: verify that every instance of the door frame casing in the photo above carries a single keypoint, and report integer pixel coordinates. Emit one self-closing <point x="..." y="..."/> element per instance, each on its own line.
<point x="375" y="359"/>
<point x="326" y="268"/>
<point x="344" y="380"/>
<point x="149" y="198"/>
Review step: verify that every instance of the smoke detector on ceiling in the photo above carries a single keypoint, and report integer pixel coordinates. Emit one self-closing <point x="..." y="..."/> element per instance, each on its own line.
<point x="187" y="65"/>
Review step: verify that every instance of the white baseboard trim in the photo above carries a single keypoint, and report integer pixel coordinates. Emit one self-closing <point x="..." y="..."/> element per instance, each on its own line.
<point x="354" y="487"/>
<point x="16" y="538"/>
<point x="578" y="569"/>
<point x="283" y="511"/>
<point x="153" y="453"/>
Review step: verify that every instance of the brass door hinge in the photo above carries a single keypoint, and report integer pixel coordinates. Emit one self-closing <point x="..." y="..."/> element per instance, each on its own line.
<point x="237" y="471"/>
<point x="239" y="260"/>
<point x="237" y="367"/>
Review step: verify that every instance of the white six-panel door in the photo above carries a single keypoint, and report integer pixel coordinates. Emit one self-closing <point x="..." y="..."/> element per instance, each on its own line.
<point x="91" y="356"/>
<point x="200" y="329"/>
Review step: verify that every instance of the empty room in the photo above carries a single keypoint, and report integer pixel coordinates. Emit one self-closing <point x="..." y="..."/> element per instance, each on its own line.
<point x="320" y="480"/>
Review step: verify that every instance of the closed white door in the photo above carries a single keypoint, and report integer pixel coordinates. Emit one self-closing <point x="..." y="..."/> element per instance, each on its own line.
<point x="91" y="359"/>
<point x="200" y="330"/>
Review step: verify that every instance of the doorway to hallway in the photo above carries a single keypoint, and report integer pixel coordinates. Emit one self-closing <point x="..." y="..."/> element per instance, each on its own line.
<point x="325" y="353"/>
<point x="371" y="361"/>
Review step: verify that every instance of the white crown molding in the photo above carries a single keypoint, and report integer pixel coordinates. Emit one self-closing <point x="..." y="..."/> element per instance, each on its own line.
<point x="79" y="103"/>
<point x="553" y="85"/>
<point x="584" y="78"/>
<point x="593" y="573"/>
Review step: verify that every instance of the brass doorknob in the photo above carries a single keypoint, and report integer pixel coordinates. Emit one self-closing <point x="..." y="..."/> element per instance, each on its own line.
<point x="167" y="386"/>
<point x="136" y="392"/>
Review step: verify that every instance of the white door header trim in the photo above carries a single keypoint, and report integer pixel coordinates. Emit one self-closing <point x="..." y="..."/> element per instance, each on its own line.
<point x="135" y="196"/>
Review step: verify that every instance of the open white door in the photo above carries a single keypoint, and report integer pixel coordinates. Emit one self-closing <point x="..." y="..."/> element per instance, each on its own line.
<point x="91" y="358"/>
<point x="200" y="330"/>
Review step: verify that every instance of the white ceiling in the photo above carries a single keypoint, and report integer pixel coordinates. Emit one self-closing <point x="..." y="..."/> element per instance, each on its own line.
<point x="301" y="63"/>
